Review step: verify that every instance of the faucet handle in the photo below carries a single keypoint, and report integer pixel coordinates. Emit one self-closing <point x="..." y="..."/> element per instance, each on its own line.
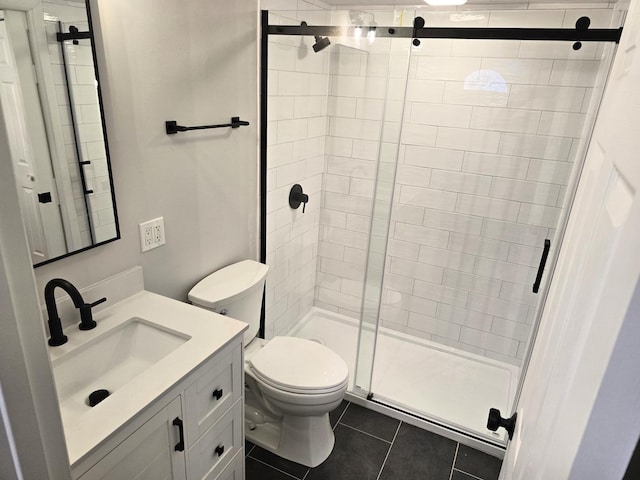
<point x="86" y="316"/>
<point x="98" y="302"/>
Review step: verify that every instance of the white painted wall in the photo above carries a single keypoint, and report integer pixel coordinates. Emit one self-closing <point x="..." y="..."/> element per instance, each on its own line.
<point x="195" y="63"/>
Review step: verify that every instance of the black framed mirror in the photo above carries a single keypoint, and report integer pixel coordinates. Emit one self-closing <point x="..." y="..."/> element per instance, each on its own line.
<point x="52" y="104"/>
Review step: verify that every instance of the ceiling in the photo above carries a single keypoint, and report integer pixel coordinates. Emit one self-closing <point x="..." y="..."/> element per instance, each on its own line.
<point x="406" y="3"/>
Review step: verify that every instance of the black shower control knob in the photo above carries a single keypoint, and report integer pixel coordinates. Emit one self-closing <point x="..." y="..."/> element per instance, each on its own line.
<point x="495" y="421"/>
<point x="297" y="196"/>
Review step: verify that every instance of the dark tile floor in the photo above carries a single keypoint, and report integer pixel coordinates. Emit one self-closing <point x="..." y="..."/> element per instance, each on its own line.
<point x="372" y="446"/>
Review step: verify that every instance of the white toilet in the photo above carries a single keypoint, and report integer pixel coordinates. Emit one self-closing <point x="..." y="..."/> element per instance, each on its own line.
<point x="291" y="384"/>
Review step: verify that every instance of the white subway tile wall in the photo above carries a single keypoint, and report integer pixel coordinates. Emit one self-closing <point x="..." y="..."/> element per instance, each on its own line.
<point x="297" y="114"/>
<point x="488" y="142"/>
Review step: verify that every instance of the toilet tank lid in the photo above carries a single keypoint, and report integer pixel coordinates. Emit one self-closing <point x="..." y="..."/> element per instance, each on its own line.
<point x="227" y="283"/>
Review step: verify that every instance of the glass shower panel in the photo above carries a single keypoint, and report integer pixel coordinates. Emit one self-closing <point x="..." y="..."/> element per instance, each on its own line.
<point x="490" y="145"/>
<point x="392" y="115"/>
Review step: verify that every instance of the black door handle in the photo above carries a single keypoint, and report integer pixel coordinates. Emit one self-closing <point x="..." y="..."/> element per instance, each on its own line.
<point x="180" y="445"/>
<point x="217" y="393"/>
<point x="543" y="262"/>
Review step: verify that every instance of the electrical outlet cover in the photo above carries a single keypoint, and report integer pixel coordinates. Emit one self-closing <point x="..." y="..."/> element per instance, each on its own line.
<point x="152" y="234"/>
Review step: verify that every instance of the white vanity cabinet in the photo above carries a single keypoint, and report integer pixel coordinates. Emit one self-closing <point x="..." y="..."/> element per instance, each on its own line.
<point x="195" y="431"/>
<point x="149" y="452"/>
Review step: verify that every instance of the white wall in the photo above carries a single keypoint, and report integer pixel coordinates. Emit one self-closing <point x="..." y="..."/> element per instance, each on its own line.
<point x="195" y="63"/>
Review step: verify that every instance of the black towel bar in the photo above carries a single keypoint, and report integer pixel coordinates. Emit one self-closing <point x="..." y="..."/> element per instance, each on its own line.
<point x="172" y="126"/>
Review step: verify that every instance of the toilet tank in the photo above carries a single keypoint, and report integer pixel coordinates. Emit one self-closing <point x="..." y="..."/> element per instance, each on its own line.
<point x="236" y="291"/>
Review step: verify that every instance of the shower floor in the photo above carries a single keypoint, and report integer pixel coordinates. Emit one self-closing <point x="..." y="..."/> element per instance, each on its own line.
<point x="422" y="377"/>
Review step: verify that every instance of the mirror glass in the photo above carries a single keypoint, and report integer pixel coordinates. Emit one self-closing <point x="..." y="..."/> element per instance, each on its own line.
<point x="51" y="100"/>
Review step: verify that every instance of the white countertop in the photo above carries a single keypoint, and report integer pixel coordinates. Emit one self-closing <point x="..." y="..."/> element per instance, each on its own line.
<point x="208" y="332"/>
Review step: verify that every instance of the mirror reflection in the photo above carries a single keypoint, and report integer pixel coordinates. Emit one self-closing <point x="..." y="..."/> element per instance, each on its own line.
<point x="52" y="107"/>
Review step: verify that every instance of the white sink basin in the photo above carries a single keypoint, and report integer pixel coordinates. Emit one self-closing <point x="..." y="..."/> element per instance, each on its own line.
<point x="110" y="361"/>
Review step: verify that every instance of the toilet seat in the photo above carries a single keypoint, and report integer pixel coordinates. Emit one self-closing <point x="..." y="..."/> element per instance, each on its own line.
<point x="298" y="391"/>
<point x="300" y="366"/>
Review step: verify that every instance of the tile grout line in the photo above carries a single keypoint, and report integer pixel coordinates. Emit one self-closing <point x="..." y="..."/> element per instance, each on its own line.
<point x="307" y="474"/>
<point x="369" y="434"/>
<point x="275" y="468"/>
<point x="455" y="457"/>
<point x="384" y="462"/>
<point x="466" y="473"/>
<point x="250" y="450"/>
<point x="341" y="415"/>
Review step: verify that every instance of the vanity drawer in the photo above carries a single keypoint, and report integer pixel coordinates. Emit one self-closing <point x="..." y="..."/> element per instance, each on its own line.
<point x="235" y="470"/>
<point x="217" y="386"/>
<point x="217" y="447"/>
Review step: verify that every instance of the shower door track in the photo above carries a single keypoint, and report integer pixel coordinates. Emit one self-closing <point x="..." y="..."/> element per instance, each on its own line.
<point x="371" y="398"/>
<point x="541" y="34"/>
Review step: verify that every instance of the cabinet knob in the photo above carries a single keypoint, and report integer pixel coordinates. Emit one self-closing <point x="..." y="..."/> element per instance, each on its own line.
<point x="217" y="393"/>
<point x="219" y="450"/>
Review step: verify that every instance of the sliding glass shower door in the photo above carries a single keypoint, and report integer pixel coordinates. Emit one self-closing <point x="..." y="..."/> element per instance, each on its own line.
<point x="489" y="149"/>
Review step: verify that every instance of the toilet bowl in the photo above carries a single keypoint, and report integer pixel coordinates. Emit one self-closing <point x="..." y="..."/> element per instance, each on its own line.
<point x="291" y="384"/>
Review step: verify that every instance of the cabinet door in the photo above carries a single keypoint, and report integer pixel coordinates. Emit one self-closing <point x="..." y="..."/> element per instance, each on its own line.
<point x="148" y="453"/>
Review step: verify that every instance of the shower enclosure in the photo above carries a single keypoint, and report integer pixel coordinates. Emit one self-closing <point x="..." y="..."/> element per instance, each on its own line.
<point x="440" y="165"/>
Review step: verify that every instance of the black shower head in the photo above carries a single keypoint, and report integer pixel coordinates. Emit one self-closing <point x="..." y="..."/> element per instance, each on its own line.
<point x="321" y="43"/>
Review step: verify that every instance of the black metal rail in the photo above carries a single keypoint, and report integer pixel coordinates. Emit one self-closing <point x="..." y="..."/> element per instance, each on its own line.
<point x="542" y="34"/>
<point x="171" y="126"/>
<point x="74" y="34"/>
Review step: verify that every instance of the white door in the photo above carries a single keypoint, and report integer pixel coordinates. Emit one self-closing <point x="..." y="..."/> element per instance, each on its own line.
<point x="23" y="160"/>
<point x="571" y="421"/>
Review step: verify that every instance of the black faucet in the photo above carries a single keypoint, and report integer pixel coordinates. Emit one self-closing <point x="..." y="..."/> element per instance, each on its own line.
<point x="55" y="326"/>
